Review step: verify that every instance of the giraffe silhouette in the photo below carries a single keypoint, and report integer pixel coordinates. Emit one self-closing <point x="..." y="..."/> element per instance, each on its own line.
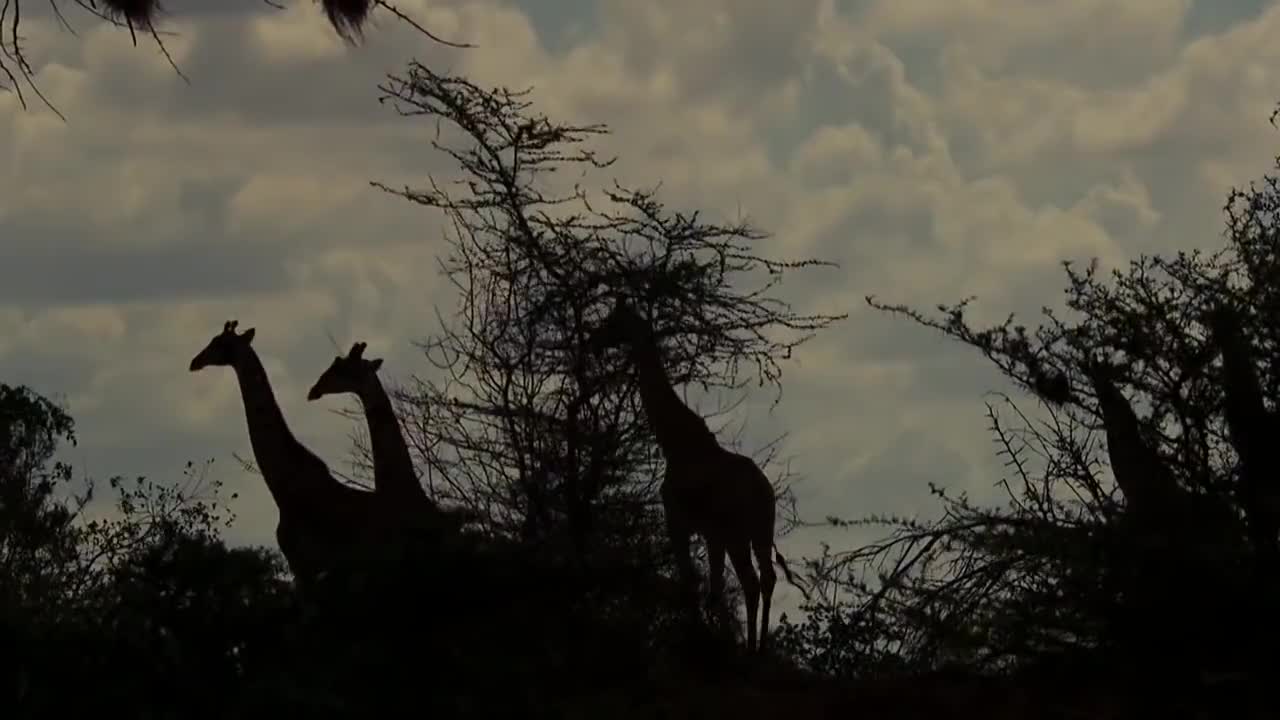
<point x="321" y="520"/>
<point x="394" y="478"/>
<point x="706" y="490"/>
<point x="1165" y="533"/>
<point x="1142" y="476"/>
<point x="1152" y="493"/>
<point x="1252" y="431"/>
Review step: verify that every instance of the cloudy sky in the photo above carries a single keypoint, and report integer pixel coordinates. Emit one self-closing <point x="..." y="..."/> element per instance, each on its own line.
<point x="934" y="149"/>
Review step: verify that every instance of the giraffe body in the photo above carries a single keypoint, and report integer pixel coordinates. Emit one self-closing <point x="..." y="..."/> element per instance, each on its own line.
<point x="707" y="490"/>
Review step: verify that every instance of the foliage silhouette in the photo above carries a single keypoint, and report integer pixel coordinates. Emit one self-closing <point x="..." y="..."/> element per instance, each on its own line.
<point x="566" y="580"/>
<point x="522" y="424"/>
<point x="150" y="610"/>
<point x="148" y="594"/>
<point x="1153" y="554"/>
<point x="1152" y="559"/>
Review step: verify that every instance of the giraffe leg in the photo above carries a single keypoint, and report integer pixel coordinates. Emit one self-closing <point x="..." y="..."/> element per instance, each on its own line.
<point x="678" y="533"/>
<point x="740" y="556"/>
<point x="295" y="551"/>
<point x="715" y="563"/>
<point x="768" y="578"/>
<point x="684" y="568"/>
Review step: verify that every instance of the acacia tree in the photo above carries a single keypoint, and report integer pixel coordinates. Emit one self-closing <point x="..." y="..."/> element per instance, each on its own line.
<point x="348" y="18"/>
<point x="520" y="423"/>
<point x="1141" y="503"/>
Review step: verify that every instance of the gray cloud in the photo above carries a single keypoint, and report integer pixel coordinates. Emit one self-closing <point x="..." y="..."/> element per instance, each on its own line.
<point x="62" y="261"/>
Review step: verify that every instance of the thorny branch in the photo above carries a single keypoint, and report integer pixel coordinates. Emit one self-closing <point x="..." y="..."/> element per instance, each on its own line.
<point x="1051" y="571"/>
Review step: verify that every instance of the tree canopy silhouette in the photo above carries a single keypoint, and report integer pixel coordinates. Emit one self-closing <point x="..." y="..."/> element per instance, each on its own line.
<point x="146" y="595"/>
<point x="567" y="583"/>
<point x="1140" y="523"/>
<point x="521" y="423"/>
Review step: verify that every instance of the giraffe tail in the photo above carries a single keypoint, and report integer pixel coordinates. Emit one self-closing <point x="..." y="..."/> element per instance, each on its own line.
<point x="786" y="571"/>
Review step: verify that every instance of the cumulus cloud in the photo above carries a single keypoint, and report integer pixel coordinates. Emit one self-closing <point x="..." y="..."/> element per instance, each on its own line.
<point x="936" y="150"/>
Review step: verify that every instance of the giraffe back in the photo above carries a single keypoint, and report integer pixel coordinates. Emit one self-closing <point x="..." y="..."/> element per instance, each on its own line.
<point x="721" y="496"/>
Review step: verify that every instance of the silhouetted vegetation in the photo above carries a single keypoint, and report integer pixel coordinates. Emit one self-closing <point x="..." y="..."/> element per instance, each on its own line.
<point x="1138" y="539"/>
<point x="562" y="597"/>
<point x="151" y="614"/>
<point x="141" y="610"/>
<point x="527" y="428"/>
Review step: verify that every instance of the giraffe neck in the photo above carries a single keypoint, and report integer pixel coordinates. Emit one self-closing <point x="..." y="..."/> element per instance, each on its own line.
<point x="393" y="472"/>
<point x="679" y="430"/>
<point x="1137" y="467"/>
<point x="286" y="464"/>
<point x="1246" y="415"/>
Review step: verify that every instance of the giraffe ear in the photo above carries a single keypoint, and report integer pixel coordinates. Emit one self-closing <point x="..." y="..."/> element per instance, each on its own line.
<point x="375" y="364"/>
<point x="247" y="335"/>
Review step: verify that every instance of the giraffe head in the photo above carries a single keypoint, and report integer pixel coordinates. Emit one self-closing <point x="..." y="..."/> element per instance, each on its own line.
<point x="1098" y="369"/>
<point x="622" y="325"/>
<point x="345" y="374"/>
<point x="223" y="348"/>
<point x="1223" y="321"/>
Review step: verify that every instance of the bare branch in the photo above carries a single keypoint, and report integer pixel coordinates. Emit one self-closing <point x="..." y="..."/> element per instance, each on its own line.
<point x="519" y="421"/>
